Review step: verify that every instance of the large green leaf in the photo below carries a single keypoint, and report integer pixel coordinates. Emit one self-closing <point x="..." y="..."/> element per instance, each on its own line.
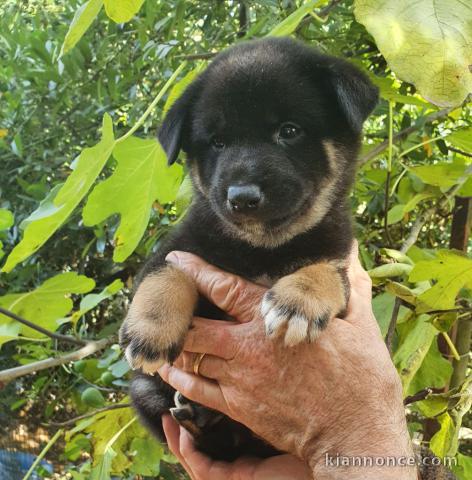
<point x="435" y="371"/>
<point x="426" y="42"/>
<point x="444" y="174"/>
<point x="415" y="338"/>
<point x="121" y="11"/>
<point x="140" y="178"/>
<point x="444" y="442"/>
<point x="43" y="306"/>
<point x="451" y="270"/>
<point x="56" y="208"/>
<point x="83" y="18"/>
<point x="461" y="139"/>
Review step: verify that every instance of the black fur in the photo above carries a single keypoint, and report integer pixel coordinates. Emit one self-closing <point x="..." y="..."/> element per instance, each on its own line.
<point x="240" y="102"/>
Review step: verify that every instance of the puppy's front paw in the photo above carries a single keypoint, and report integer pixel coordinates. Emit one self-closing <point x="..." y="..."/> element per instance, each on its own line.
<point x="299" y="305"/>
<point x="158" y="319"/>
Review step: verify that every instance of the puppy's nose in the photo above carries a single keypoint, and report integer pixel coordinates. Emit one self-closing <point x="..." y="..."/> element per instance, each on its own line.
<point x="244" y="198"/>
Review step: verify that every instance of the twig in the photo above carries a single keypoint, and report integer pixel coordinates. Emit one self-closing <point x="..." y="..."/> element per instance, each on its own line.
<point x="440" y="114"/>
<point x="43" y="453"/>
<point x="392" y="325"/>
<point x="457" y="150"/>
<point x="198" y="56"/>
<point x="87" y="415"/>
<point x="44" y="331"/>
<point x="323" y="13"/>
<point x="89" y="349"/>
<point x="416" y="229"/>
<point x="421" y="395"/>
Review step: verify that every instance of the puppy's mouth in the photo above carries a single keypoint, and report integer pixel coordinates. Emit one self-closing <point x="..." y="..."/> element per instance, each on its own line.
<point x="267" y="225"/>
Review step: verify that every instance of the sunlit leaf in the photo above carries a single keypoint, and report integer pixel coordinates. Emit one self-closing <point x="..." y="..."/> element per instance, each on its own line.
<point x="121" y="11"/>
<point x="451" y="270"/>
<point x="46" y="304"/>
<point x="427" y="43"/>
<point x="141" y="177"/>
<point x="6" y="219"/>
<point x="83" y="18"/>
<point x="61" y="201"/>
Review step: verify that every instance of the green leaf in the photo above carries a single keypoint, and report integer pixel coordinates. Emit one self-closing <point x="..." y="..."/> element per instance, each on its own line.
<point x="46" y="304"/>
<point x="440" y="174"/>
<point x="433" y="405"/>
<point x="396" y="255"/>
<point x="462" y="139"/>
<point x="390" y="270"/>
<point x="91" y="300"/>
<point x="444" y="443"/>
<point x="435" y="371"/>
<point x="395" y="214"/>
<point x="419" y="197"/>
<point x="452" y="272"/>
<point x="289" y="25"/>
<point x="463" y="469"/>
<point x="382" y="306"/>
<point x="83" y="18"/>
<point x="121" y="11"/>
<point x="56" y="208"/>
<point x="147" y="455"/>
<point x="140" y="178"/>
<point x="415" y="338"/>
<point x="180" y="86"/>
<point x="6" y="219"/>
<point x="427" y="43"/>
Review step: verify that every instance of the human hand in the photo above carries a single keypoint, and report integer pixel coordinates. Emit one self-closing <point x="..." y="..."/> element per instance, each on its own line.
<point x="340" y="395"/>
<point x="200" y="467"/>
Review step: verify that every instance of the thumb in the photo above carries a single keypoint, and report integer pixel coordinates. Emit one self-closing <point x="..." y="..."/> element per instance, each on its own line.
<point x="232" y="294"/>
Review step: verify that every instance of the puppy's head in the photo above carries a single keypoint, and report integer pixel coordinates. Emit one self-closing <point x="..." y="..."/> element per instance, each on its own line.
<point x="271" y="131"/>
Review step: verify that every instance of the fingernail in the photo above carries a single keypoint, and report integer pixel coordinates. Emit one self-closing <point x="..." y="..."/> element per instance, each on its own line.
<point x="173" y="257"/>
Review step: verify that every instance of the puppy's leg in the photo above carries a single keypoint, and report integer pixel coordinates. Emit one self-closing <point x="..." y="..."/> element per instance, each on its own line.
<point x="299" y="305"/>
<point x="158" y="319"/>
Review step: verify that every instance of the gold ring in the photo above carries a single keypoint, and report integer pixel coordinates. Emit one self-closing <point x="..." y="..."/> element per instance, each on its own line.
<point x="196" y="362"/>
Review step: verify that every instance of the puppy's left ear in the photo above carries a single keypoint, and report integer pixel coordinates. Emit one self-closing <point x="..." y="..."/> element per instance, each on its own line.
<point x="175" y="128"/>
<point x="356" y="94"/>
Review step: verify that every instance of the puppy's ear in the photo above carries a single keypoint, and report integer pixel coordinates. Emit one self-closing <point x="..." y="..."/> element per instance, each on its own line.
<point x="174" y="129"/>
<point x="356" y="94"/>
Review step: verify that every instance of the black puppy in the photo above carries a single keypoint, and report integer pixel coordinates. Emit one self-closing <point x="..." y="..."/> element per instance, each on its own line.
<point x="271" y="131"/>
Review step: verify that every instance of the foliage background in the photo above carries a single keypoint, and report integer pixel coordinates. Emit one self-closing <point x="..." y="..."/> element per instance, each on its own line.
<point x="102" y="202"/>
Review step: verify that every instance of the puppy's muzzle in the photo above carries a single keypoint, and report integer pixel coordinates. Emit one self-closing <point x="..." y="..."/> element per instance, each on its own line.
<point x="244" y="199"/>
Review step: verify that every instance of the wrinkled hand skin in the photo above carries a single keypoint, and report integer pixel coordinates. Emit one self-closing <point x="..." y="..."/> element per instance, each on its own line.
<point x="158" y="319"/>
<point x="338" y="395"/>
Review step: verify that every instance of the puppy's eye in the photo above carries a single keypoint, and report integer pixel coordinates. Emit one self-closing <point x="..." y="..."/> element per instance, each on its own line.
<point x="289" y="131"/>
<point x="217" y="143"/>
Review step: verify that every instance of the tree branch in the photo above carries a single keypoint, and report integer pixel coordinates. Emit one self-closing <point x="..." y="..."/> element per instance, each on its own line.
<point x="87" y="415"/>
<point x="392" y="325"/>
<point x="90" y="348"/>
<point x="438" y="115"/>
<point x="416" y="229"/>
<point x="421" y="395"/>
<point x="44" y="331"/>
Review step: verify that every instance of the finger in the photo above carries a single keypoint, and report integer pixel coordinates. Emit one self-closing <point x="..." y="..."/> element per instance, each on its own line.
<point x="210" y="366"/>
<point x="234" y="295"/>
<point x="203" y="467"/>
<point x="194" y="388"/>
<point x="172" y="433"/>
<point x="359" y="279"/>
<point x="213" y="337"/>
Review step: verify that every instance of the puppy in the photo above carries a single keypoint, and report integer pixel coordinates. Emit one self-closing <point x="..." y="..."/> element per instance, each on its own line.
<point x="271" y="131"/>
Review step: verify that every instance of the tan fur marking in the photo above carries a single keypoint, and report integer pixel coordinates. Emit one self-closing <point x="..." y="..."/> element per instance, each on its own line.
<point x="299" y="304"/>
<point x="260" y="236"/>
<point x="161" y="313"/>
